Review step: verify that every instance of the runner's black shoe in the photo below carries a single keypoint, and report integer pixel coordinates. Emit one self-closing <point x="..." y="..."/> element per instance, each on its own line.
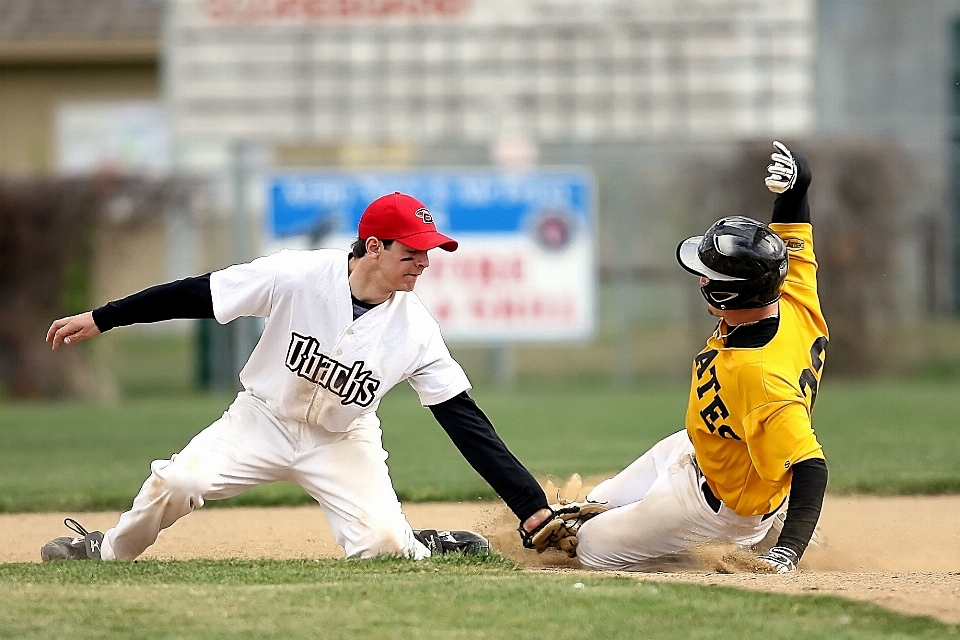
<point x="85" y="547"/>
<point x="440" y="542"/>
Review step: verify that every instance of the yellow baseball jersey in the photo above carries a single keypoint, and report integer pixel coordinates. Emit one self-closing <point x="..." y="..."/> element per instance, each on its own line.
<point x="749" y="410"/>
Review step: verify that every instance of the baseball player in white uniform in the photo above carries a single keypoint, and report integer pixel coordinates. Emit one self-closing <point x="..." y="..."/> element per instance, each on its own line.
<point x="340" y="330"/>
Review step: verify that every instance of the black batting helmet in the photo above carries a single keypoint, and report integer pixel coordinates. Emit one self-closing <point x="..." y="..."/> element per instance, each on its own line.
<point x="743" y="260"/>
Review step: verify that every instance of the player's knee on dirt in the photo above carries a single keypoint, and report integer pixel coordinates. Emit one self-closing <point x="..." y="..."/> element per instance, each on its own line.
<point x="368" y="539"/>
<point x="588" y="552"/>
<point x="595" y="550"/>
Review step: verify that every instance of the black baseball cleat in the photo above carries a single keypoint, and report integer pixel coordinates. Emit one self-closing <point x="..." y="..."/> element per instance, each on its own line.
<point x="440" y="542"/>
<point x="86" y="547"/>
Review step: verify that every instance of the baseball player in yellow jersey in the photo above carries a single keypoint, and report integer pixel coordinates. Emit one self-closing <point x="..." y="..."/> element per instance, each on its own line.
<point x="748" y="444"/>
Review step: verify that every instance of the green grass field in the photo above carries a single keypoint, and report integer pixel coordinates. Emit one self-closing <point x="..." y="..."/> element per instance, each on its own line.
<point x="880" y="437"/>
<point x="885" y="437"/>
<point x="445" y="597"/>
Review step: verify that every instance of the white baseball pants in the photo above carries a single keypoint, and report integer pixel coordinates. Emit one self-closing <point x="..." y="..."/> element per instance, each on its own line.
<point x="345" y="472"/>
<point x="659" y="513"/>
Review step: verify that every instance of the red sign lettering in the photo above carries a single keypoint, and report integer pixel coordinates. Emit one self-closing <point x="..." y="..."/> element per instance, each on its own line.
<point x="519" y="309"/>
<point x="484" y="271"/>
<point x="246" y="11"/>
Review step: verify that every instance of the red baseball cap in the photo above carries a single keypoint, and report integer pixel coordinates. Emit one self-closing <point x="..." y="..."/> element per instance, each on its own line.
<point x="397" y="216"/>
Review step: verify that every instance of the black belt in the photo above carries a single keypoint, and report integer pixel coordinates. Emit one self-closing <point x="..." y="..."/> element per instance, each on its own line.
<point x="712" y="501"/>
<point x="715" y="503"/>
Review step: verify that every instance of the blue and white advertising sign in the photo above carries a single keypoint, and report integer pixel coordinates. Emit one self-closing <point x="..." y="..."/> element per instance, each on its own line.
<point x="525" y="269"/>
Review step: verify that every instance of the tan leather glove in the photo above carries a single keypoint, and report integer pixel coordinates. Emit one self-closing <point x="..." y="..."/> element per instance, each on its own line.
<point x="560" y="530"/>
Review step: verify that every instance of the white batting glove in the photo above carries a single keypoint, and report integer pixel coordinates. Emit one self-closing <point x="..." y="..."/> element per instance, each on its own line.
<point x="783" y="170"/>
<point x="780" y="560"/>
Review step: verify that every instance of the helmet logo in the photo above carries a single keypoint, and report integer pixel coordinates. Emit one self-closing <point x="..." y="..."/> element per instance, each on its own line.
<point x="722" y="296"/>
<point x="424" y="215"/>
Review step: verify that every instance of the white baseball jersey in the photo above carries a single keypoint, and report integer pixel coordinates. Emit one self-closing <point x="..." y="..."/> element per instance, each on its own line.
<point x="314" y="363"/>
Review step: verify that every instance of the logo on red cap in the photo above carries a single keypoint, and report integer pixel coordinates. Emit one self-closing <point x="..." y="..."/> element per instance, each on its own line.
<point x="423" y="214"/>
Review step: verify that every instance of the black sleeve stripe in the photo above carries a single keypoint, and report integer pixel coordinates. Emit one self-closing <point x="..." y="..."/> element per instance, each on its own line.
<point x="806" y="501"/>
<point x="187" y="298"/>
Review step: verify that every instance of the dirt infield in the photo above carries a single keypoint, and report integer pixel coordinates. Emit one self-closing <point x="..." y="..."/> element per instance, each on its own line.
<point x="901" y="553"/>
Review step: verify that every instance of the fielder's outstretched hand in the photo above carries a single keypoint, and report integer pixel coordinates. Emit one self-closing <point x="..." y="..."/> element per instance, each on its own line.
<point x="783" y="170"/>
<point x="72" y="330"/>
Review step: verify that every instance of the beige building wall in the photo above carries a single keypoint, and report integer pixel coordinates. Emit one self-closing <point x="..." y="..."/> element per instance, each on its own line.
<point x="36" y="77"/>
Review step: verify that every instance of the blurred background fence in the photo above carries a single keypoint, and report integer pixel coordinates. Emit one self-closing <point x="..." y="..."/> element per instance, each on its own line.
<point x="135" y="137"/>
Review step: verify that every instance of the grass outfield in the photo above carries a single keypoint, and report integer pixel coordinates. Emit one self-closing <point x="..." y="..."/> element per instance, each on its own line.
<point x="879" y="437"/>
<point x="444" y="597"/>
<point x="885" y="437"/>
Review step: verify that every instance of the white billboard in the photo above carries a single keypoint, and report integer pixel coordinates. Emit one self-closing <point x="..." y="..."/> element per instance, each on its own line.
<point x="124" y="136"/>
<point x="525" y="270"/>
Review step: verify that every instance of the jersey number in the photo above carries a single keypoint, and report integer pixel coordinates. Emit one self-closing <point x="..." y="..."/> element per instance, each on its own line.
<point x="810" y="378"/>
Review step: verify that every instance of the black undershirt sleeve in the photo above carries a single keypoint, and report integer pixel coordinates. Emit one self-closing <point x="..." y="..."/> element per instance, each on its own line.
<point x="473" y="434"/>
<point x="806" y="500"/>
<point x="187" y="298"/>
<point x="791" y="205"/>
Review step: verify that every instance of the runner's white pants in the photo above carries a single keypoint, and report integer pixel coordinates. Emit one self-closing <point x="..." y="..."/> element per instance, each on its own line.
<point x="659" y="513"/>
<point x="346" y="473"/>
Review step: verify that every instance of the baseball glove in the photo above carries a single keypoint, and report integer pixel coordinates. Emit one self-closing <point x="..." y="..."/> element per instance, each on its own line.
<point x="560" y="530"/>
